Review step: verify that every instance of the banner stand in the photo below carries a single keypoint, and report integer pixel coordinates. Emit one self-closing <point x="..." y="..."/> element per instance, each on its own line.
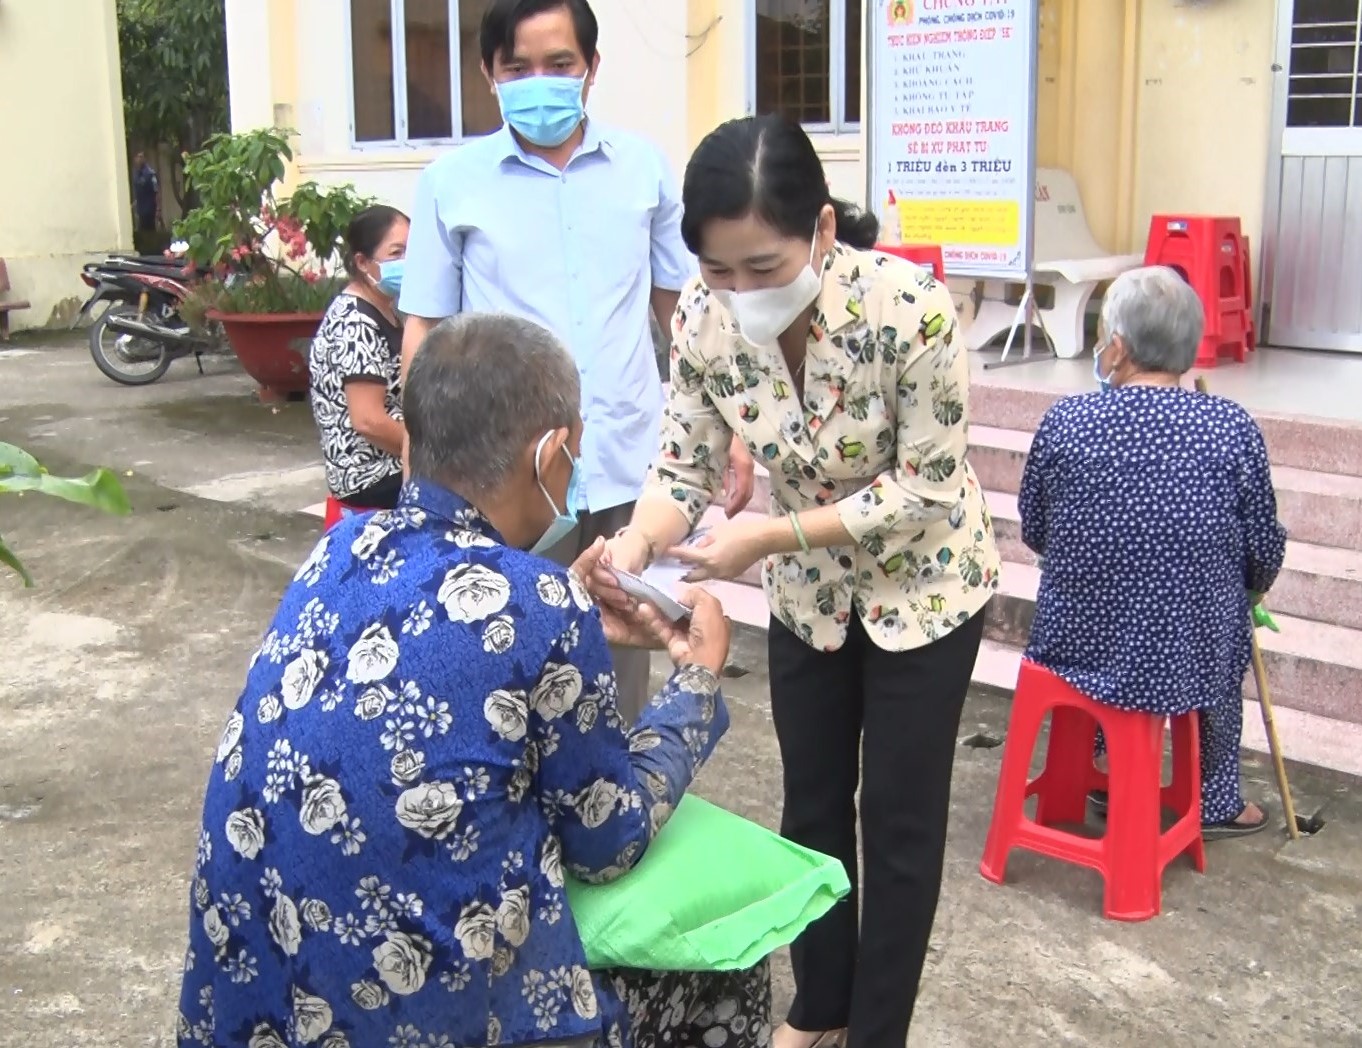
<point x="1028" y="317"/>
<point x="947" y="101"/>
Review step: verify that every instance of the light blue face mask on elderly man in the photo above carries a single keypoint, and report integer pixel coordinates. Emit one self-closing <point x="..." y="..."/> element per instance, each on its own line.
<point x="563" y="522"/>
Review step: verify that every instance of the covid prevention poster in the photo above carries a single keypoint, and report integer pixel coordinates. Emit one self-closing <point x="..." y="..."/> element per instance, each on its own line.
<point x="951" y="128"/>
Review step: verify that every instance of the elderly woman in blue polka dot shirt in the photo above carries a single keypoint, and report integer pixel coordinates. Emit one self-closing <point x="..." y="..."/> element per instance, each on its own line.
<point x="1152" y="508"/>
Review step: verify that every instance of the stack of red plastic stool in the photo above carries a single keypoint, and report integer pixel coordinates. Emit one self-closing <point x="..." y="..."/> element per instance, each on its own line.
<point x="924" y="255"/>
<point x="1132" y="855"/>
<point x="1212" y="256"/>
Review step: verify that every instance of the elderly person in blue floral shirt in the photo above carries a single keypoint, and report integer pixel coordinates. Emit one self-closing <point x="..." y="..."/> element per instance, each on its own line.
<point x="428" y="743"/>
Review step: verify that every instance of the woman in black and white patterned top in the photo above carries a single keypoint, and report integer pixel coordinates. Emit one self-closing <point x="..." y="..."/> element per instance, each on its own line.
<point x="355" y="357"/>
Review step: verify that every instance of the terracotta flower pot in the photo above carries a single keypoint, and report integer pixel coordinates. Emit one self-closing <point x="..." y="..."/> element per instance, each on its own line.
<point x="272" y="347"/>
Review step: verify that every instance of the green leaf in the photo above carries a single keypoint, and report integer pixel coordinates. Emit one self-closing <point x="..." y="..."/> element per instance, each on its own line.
<point x="98" y="489"/>
<point x="8" y="558"/>
<point x="16" y="460"/>
<point x="21" y="472"/>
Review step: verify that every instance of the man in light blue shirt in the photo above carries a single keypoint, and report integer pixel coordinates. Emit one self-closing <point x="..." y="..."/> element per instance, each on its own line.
<point x="577" y="227"/>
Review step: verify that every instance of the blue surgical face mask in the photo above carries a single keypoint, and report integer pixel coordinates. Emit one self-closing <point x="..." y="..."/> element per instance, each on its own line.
<point x="390" y="277"/>
<point x="563" y="522"/>
<point x="1103" y="381"/>
<point x="544" y="110"/>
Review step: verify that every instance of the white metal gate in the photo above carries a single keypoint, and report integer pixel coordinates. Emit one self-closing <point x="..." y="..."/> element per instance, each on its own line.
<point x="1312" y="261"/>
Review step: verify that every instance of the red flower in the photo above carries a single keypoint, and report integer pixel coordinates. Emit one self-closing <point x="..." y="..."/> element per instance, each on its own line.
<point x="311" y="276"/>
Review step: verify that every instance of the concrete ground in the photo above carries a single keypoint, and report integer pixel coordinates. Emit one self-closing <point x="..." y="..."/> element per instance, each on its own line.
<point x="119" y="669"/>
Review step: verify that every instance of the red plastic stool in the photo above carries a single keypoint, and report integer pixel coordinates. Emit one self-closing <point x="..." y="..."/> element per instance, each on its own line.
<point x="1248" y="298"/>
<point x="928" y="256"/>
<point x="1131" y="856"/>
<point x="1209" y="253"/>
<point x="336" y="511"/>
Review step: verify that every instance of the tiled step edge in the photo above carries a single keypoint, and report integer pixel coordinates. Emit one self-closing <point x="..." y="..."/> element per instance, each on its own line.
<point x="1305" y="737"/>
<point x="1305" y="442"/>
<point x="1319" y="583"/>
<point x="1312" y="666"/>
<point x="1316" y="507"/>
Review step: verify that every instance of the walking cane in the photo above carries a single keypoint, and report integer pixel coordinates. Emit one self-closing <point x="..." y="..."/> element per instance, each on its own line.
<point x="1258" y="616"/>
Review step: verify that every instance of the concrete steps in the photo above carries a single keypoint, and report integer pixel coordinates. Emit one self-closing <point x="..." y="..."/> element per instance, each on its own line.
<point x="1319" y="508"/>
<point x="1300" y="442"/>
<point x="1321" y="583"/>
<point x="1305" y="737"/>
<point x="1314" y="665"/>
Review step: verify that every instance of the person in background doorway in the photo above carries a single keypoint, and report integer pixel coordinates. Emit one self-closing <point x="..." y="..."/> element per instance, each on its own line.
<point x="1153" y="509"/>
<point x="575" y="225"/>
<point x="355" y="366"/>
<point x="146" y="195"/>
<point x="842" y="369"/>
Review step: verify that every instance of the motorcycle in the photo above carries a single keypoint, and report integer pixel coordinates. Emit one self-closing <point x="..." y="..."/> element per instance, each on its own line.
<point x="140" y="333"/>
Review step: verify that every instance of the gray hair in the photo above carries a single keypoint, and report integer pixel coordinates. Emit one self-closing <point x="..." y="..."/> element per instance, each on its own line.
<point x="481" y="387"/>
<point x="1158" y="316"/>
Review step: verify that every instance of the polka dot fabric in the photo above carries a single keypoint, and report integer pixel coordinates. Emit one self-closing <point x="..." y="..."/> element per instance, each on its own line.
<point x="1153" y="510"/>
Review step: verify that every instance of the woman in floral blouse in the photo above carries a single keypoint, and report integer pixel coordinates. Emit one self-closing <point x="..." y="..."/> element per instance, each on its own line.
<point x="841" y="370"/>
<point x="428" y="743"/>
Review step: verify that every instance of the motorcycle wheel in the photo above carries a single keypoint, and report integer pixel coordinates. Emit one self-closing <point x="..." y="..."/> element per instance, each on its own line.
<point x="128" y="360"/>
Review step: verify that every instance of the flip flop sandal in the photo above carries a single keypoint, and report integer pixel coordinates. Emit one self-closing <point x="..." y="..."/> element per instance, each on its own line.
<point x="1098" y="801"/>
<point x="1222" y="831"/>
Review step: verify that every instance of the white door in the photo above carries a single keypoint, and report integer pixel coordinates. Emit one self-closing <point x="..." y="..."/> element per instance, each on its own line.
<point x="1312" y="276"/>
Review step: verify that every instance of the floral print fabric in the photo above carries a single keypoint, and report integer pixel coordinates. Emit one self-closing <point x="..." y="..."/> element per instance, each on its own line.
<point x="880" y="434"/>
<point x="427" y="742"/>
<point x="696" y="1009"/>
<point x="355" y="342"/>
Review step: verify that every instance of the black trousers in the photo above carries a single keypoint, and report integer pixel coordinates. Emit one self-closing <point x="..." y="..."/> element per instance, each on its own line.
<point x="383" y="495"/>
<point x="888" y="720"/>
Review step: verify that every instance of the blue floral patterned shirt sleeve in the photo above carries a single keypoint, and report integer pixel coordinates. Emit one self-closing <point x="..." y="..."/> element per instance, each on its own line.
<point x="607" y="792"/>
<point x="426" y="744"/>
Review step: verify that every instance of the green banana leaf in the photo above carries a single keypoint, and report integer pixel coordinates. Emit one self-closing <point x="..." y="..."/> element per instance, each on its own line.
<point x="21" y="472"/>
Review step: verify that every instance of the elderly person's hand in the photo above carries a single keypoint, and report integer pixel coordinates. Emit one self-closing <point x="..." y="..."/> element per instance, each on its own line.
<point x="702" y="640"/>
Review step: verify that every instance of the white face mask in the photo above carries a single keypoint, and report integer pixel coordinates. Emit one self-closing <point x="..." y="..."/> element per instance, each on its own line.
<point x="764" y="313"/>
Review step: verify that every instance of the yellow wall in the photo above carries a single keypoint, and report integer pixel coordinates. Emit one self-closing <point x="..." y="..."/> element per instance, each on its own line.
<point x="283" y="43"/>
<point x="1205" y="94"/>
<point x="1153" y="105"/>
<point x="1156" y="107"/>
<point x="713" y="93"/>
<point x="64" y="192"/>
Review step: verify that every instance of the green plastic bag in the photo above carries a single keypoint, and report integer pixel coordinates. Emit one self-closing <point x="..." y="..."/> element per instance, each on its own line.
<point x="714" y="892"/>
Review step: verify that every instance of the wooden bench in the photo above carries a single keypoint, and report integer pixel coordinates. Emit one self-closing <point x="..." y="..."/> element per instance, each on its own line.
<point x="1068" y="260"/>
<point x="6" y="308"/>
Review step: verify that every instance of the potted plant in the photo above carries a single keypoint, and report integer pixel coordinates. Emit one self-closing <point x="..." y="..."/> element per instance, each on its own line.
<point x="275" y="265"/>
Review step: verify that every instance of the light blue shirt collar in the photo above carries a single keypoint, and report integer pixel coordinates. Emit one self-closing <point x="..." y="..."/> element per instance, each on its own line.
<point x="596" y="139"/>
